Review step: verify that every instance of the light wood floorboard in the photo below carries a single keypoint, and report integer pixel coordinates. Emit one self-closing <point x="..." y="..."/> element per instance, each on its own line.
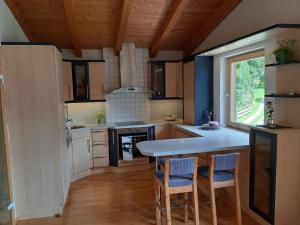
<point x="125" y="196"/>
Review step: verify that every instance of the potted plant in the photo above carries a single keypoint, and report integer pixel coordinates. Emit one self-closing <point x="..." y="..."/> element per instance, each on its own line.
<point x="285" y="52"/>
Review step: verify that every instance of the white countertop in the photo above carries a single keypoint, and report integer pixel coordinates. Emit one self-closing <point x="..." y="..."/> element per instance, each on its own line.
<point x="208" y="141"/>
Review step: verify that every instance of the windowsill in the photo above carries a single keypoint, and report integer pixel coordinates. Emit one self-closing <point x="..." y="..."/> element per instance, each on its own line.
<point x="239" y="126"/>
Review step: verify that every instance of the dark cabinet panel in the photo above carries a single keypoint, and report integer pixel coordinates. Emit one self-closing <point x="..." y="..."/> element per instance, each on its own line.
<point x="80" y="81"/>
<point x="158" y="80"/>
<point x="263" y="146"/>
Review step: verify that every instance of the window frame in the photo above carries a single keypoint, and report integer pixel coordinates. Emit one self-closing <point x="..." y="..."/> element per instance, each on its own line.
<point x="230" y="83"/>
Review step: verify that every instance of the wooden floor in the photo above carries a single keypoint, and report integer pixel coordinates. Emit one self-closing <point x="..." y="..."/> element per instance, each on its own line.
<point x="124" y="196"/>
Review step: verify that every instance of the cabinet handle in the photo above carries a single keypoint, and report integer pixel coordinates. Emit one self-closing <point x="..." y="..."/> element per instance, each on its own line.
<point x="88" y="145"/>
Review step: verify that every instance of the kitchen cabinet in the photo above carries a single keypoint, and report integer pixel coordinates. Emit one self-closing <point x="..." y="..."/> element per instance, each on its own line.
<point x="158" y="80"/>
<point x="81" y="155"/>
<point x="180" y="133"/>
<point x="80" y="80"/>
<point x="166" y="80"/>
<point x="274" y="175"/>
<point x="96" y="80"/>
<point x="198" y="90"/>
<point x="34" y="100"/>
<point x="84" y="80"/>
<point x="100" y="155"/>
<point x="68" y="84"/>
<point x="163" y="131"/>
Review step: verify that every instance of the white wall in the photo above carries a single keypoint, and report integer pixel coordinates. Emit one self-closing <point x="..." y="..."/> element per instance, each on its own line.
<point x="250" y="16"/>
<point x="10" y="30"/>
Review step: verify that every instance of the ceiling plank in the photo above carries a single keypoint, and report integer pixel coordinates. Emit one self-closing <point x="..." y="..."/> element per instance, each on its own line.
<point x="203" y="31"/>
<point x="68" y="5"/>
<point x="126" y="7"/>
<point x="14" y="7"/>
<point x="171" y="19"/>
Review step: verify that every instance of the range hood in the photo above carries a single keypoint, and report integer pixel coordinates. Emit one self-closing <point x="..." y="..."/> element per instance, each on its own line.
<point x="128" y="70"/>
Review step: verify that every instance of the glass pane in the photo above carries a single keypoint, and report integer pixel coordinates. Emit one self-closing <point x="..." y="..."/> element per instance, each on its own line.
<point x="262" y="169"/>
<point x="158" y="79"/>
<point x="248" y="91"/>
<point x="81" y="81"/>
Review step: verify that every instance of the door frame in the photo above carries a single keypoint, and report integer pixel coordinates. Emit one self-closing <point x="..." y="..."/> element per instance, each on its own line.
<point x="6" y="146"/>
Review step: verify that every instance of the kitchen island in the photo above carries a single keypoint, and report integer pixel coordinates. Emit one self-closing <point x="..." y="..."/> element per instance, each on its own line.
<point x="205" y="141"/>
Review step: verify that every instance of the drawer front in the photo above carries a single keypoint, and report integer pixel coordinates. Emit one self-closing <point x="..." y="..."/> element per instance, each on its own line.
<point x="100" y="150"/>
<point x="100" y="162"/>
<point x="99" y="136"/>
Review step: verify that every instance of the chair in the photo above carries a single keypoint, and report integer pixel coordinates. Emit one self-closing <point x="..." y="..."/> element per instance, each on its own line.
<point x="222" y="172"/>
<point x="177" y="175"/>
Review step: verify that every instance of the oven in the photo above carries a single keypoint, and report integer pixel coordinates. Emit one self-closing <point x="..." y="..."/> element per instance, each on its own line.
<point x="122" y="142"/>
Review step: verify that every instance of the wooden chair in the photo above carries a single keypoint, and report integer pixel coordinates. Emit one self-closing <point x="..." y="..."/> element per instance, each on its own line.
<point x="223" y="171"/>
<point x="178" y="175"/>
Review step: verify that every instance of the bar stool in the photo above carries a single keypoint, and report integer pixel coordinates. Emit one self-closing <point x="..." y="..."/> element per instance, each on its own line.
<point x="178" y="175"/>
<point x="222" y="172"/>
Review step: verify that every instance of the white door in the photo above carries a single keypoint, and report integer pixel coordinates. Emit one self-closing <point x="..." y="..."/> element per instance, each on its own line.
<point x="81" y="155"/>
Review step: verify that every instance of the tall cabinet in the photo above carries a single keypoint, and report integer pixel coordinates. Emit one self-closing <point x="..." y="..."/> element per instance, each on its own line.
<point x="197" y="89"/>
<point x="34" y="99"/>
<point x="274" y="175"/>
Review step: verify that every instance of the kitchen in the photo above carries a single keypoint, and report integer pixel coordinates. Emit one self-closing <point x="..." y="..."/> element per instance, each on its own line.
<point x="99" y="125"/>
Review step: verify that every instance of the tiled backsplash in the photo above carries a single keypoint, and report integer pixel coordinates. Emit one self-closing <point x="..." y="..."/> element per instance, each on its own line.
<point x="127" y="107"/>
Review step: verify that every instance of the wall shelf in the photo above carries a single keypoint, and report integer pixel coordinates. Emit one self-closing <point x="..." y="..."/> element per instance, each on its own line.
<point x="282" y="96"/>
<point x="281" y="64"/>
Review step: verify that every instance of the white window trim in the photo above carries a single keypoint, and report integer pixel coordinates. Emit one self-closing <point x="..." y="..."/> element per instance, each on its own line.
<point x="229" y="60"/>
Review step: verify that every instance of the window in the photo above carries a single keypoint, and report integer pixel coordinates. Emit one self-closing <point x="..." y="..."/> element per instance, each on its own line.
<point x="247" y="88"/>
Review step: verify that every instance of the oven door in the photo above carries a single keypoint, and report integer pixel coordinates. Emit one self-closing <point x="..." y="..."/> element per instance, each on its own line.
<point x="127" y="145"/>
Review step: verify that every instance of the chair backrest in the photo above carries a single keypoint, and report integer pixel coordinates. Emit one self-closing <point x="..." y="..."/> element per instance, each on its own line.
<point x="225" y="161"/>
<point x="181" y="166"/>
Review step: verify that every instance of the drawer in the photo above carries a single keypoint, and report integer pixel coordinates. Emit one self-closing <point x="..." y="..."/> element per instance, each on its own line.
<point x="100" y="162"/>
<point x="99" y="150"/>
<point x="99" y="136"/>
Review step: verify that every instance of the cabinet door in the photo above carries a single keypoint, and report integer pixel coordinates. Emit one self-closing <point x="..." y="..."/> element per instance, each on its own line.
<point x="158" y="80"/>
<point x="97" y="81"/>
<point x="163" y="132"/>
<point x="189" y="92"/>
<point x="68" y="85"/>
<point x="262" y="173"/>
<point x="80" y="80"/>
<point x="81" y="155"/>
<point x="171" y="80"/>
<point x="179" y="84"/>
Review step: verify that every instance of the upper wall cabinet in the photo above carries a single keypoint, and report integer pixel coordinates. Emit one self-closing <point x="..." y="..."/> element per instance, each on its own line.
<point x="96" y="80"/>
<point x="166" y="80"/>
<point x="84" y="81"/>
<point x="198" y="90"/>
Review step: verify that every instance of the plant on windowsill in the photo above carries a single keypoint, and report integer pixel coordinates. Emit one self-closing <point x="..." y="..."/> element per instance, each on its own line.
<point x="285" y="53"/>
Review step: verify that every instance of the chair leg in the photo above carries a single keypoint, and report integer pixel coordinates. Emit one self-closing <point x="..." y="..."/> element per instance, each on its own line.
<point x="157" y="202"/>
<point x="196" y="205"/>
<point x="186" y="209"/>
<point x="213" y="205"/>
<point x="238" y="204"/>
<point x="168" y="207"/>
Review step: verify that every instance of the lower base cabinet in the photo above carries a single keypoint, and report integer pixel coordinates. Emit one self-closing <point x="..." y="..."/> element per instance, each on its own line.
<point x="163" y="131"/>
<point x="81" y="155"/>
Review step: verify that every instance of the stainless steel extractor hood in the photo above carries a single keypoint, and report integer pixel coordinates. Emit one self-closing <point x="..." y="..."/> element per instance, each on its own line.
<point x="129" y="76"/>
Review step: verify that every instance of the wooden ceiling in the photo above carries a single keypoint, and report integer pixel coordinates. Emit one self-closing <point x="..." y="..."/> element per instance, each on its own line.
<point x="92" y="24"/>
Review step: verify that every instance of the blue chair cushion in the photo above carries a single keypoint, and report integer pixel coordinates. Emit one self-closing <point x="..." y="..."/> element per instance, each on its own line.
<point x="176" y="181"/>
<point x="219" y="176"/>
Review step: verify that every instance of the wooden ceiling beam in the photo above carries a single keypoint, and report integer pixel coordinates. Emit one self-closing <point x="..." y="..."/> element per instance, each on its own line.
<point x="68" y="6"/>
<point x="15" y="9"/>
<point x="168" y="24"/>
<point x="126" y="8"/>
<point x="203" y="31"/>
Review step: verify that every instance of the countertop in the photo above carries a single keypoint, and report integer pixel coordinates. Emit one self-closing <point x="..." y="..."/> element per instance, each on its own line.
<point x="207" y="141"/>
<point x="113" y="125"/>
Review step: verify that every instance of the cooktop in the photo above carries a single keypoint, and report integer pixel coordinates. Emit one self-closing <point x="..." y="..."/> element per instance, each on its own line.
<point x="130" y="123"/>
